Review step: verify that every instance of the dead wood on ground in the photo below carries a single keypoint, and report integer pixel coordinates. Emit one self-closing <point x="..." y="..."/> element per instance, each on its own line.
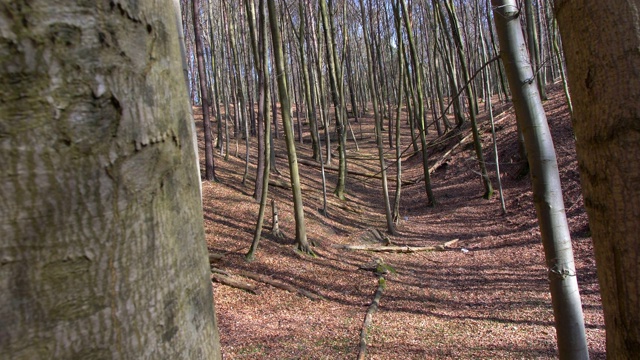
<point x="368" y="319"/>
<point x="229" y="281"/>
<point x="399" y="249"/>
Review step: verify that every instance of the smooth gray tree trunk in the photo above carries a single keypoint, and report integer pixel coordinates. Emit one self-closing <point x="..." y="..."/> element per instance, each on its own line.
<point x="547" y="191"/>
<point x="102" y="252"/>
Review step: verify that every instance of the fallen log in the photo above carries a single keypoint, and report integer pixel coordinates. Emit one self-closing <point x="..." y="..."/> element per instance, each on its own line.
<point x="396" y="249"/>
<point x="368" y="319"/>
<point x="399" y="249"/>
<point x="227" y="280"/>
<point x="280" y="285"/>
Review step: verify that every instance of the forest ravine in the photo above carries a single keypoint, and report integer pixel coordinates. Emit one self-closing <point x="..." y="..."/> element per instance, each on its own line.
<point x="486" y="296"/>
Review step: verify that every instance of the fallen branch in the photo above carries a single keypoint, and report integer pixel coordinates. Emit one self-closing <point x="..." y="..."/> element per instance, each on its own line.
<point x="396" y="249"/>
<point x="226" y="280"/>
<point x="399" y="249"/>
<point x="369" y="318"/>
<point x="280" y="285"/>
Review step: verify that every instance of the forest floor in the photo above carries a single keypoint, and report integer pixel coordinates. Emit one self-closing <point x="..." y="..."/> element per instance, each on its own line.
<point x="485" y="297"/>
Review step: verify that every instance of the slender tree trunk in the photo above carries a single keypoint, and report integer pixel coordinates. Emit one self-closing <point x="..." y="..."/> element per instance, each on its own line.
<point x="378" y="124"/>
<point x="209" y="166"/>
<point x="558" y="54"/>
<point x="503" y="82"/>
<point x="602" y="67"/>
<point x="242" y="121"/>
<point x="274" y="107"/>
<point x="256" y="47"/>
<point x="420" y="105"/>
<point x="477" y="144"/>
<point x="216" y="89"/>
<point x="447" y="57"/>
<point x="503" y="206"/>
<point x="545" y="179"/>
<point x="534" y="50"/>
<point x="266" y="148"/>
<point x="305" y="71"/>
<point x="396" y="199"/>
<point x="100" y="187"/>
<point x="285" y="106"/>
<point x="336" y="93"/>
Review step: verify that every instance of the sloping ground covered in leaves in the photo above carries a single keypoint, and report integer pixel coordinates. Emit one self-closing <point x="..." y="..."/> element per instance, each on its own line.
<point x="485" y="297"/>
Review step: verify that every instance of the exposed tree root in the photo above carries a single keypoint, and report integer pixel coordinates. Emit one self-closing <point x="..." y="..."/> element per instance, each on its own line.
<point x="368" y="319"/>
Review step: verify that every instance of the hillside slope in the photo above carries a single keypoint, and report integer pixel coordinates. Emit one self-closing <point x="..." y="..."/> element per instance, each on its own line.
<point x="486" y="297"/>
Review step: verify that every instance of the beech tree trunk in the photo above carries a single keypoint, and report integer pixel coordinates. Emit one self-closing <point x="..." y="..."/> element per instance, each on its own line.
<point x="261" y="56"/>
<point x="602" y="68"/>
<point x="102" y="250"/>
<point x="415" y="62"/>
<point x="285" y="111"/>
<point x="473" y="108"/>
<point x="378" y="123"/>
<point x="545" y="179"/>
<point x="336" y="83"/>
<point x="209" y="165"/>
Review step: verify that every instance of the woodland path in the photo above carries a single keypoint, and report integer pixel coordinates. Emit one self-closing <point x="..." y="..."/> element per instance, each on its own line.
<point x="490" y="301"/>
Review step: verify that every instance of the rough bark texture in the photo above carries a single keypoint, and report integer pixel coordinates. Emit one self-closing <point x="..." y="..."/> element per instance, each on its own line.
<point x="102" y="252"/>
<point x="604" y="80"/>
<point x="545" y="180"/>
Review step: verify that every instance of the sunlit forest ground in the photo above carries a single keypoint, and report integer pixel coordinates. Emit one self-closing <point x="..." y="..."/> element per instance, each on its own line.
<point x="486" y="297"/>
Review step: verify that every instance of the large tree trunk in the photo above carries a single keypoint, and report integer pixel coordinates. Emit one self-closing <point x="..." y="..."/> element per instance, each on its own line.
<point x="547" y="192"/>
<point x="605" y="86"/>
<point x="102" y="248"/>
